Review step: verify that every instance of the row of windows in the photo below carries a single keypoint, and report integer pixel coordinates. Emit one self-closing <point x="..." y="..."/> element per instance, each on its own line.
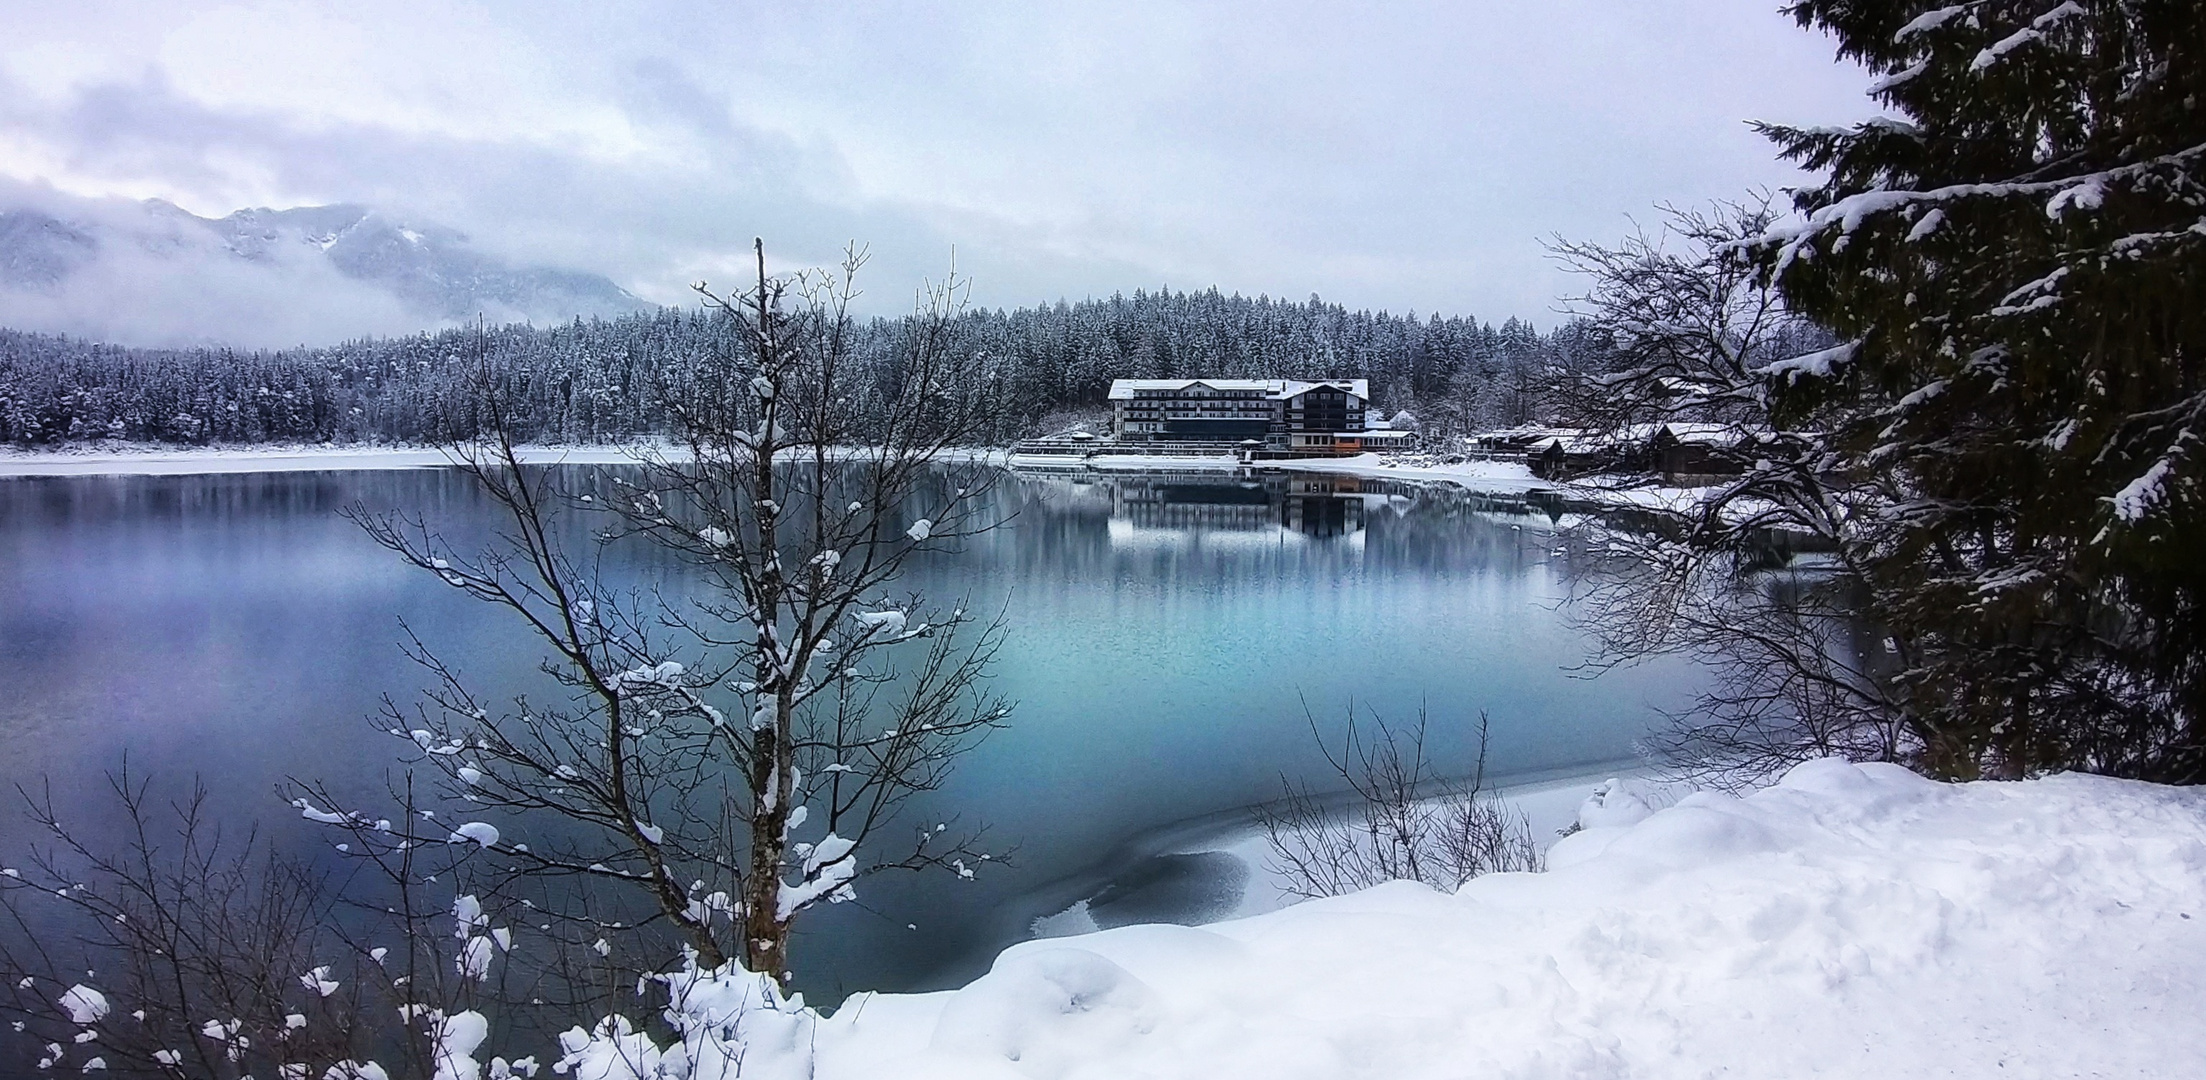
<point x="1321" y="395"/>
<point x="1199" y="393"/>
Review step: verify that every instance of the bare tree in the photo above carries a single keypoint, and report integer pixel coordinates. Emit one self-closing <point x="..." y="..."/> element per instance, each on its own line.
<point x="1795" y="670"/>
<point x="731" y="758"/>
<point x="1684" y="323"/>
<point x="1398" y="820"/>
<point x="1760" y="576"/>
<point x="185" y="950"/>
<point x="703" y="767"/>
<point x="177" y="925"/>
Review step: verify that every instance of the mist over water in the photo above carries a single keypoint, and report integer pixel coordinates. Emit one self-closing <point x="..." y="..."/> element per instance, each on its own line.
<point x="1164" y="636"/>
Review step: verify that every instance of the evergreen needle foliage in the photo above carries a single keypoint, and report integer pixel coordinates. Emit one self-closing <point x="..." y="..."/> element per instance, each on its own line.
<point x="2017" y="258"/>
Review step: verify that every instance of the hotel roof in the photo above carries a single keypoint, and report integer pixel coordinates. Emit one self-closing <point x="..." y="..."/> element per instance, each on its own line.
<point x="1123" y="389"/>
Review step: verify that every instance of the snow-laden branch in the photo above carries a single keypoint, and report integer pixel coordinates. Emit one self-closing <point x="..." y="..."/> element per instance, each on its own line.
<point x="1847" y="214"/>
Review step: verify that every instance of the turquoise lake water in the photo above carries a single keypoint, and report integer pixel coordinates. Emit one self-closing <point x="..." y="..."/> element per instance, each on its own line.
<point x="1164" y="637"/>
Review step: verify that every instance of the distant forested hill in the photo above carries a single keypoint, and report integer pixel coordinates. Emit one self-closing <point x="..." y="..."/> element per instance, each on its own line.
<point x="595" y="381"/>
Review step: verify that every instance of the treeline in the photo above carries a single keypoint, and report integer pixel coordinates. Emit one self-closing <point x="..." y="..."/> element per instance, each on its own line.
<point x="598" y="381"/>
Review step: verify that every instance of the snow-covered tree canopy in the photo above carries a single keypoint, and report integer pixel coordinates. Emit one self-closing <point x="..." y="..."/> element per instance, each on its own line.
<point x="2017" y="260"/>
<point x="1687" y="329"/>
<point x="598" y="381"/>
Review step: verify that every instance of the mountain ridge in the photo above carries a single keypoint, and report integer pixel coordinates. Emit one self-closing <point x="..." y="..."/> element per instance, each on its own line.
<point x="61" y="264"/>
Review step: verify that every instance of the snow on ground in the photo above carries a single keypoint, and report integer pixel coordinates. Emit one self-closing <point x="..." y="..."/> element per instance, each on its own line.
<point x="136" y="459"/>
<point x="1493" y="476"/>
<point x="131" y="459"/>
<point x="1135" y="463"/>
<point x="1508" y="478"/>
<point x="1847" y="921"/>
<point x="1485" y="477"/>
<point x="1221" y="866"/>
<point x="1547" y="807"/>
<point x="1501" y="477"/>
<point x="149" y="460"/>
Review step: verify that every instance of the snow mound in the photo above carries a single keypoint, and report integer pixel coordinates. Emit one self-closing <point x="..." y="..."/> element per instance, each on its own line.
<point x="1048" y="1011"/>
<point x="1846" y="921"/>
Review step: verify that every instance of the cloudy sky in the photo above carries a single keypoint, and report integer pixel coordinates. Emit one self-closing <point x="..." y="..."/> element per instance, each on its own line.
<point x="1396" y="155"/>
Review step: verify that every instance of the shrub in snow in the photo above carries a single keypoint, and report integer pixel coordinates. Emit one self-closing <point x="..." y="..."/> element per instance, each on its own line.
<point x="1405" y="823"/>
<point x="728" y="1022"/>
<point x="1884" y="924"/>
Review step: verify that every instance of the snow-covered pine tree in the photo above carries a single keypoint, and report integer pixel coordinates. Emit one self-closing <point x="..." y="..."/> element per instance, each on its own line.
<point x="2019" y="259"/>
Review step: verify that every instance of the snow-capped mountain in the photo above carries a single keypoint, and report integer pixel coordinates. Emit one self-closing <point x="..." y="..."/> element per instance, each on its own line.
<point x="38" y="251"/>
<point x="153" y="273"/>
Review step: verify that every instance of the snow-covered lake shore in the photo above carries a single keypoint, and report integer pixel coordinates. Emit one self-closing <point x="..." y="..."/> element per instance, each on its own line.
<point x="1847" y="921"/>
<point x="1226" y="860"/>
<point x="156" y="460"/>
<point x="1481" y="477"/>
<point x="146" y="460"/>
<point x="1494" y="476"/>
<point x="138" y="459"/>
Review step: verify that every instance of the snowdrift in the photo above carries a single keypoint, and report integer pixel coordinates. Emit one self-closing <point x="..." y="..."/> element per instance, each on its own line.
<point x="1853" y="921"/>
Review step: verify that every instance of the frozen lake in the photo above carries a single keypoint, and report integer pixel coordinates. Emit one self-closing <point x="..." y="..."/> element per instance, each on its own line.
<point x="1163" y="635"/>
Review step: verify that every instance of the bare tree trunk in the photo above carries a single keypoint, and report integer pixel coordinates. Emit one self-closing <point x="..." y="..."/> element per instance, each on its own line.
<point x="797" y="499"/>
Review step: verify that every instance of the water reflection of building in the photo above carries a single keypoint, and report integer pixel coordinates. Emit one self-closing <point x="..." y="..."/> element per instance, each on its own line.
<point x="1148" y="526"/>
<point x="1319" y="507"/>
<point x="1313" y="515"/>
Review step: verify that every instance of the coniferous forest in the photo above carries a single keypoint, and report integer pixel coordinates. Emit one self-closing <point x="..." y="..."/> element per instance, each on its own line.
<point x="596" y="381"/>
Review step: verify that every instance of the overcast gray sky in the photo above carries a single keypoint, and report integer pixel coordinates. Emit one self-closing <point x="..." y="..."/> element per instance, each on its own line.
<point x="1396" y="155"/>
